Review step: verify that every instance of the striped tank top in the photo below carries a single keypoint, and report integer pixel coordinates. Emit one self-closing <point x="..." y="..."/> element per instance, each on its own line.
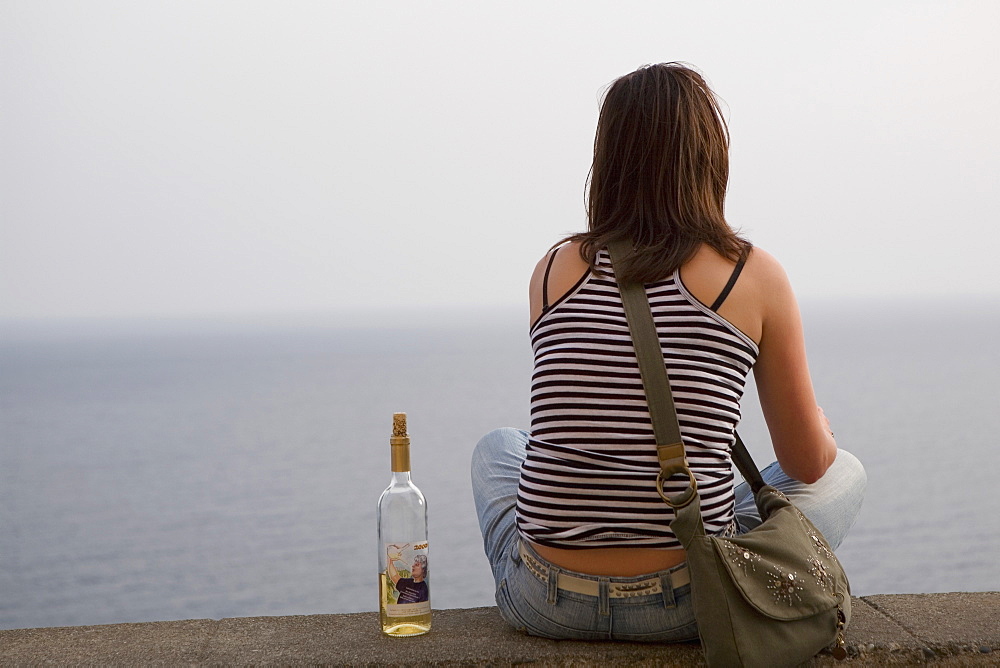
<point x="589" y="477"/>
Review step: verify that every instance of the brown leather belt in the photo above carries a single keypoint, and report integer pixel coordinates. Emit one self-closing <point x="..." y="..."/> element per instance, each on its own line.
<point x="589" y="587"/>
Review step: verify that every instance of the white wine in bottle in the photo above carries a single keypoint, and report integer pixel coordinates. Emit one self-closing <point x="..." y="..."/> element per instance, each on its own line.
<point x="404" y="592"/>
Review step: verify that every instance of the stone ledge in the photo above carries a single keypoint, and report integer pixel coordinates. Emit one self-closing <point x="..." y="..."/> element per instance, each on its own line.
<point x="960" y="629"/>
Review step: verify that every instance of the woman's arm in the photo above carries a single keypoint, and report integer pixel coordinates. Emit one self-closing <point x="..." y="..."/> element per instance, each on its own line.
<point x="800" y="432"/>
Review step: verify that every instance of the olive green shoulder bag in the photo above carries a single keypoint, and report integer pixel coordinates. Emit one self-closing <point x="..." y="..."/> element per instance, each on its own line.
<point x="774" y="596"/>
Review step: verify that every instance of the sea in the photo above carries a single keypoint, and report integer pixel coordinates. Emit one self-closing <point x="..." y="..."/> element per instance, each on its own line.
<point x="168" y="469"/>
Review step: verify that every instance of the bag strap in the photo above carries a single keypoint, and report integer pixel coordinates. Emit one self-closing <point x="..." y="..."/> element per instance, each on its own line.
<point x="744" y="462"/>
<point x="669" y="445"/>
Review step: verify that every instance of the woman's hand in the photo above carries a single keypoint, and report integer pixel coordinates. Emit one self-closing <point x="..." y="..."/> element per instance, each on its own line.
<point x="825" y="421"/>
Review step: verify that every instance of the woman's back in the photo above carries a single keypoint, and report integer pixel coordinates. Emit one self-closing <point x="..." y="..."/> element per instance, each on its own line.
<point x="760" y="309"/>
<point x="589" y="476"/>
<point x="761" y="305"/>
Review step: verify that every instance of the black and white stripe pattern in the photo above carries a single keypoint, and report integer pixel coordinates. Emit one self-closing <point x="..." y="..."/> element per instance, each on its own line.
<point x="590" y="472"/>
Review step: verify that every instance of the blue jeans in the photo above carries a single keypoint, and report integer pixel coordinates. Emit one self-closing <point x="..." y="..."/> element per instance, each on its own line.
<point x="538" y="607"/>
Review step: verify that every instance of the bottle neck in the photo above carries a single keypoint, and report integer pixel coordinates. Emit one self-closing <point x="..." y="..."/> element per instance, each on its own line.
<point x="400" y="447"/>
<point x="400" y="477"/>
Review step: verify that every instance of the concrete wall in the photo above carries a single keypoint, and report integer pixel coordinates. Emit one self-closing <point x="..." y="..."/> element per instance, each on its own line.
<point x="961" y="629"/>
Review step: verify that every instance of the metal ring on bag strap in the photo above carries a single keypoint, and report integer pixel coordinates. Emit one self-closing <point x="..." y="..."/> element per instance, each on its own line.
<point x="682" y="499"/>
<point x="673" y="460"/>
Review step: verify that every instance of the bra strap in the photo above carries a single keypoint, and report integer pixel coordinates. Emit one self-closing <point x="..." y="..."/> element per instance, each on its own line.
<point x="732" y="281"/>
<point x="545" y="281"/>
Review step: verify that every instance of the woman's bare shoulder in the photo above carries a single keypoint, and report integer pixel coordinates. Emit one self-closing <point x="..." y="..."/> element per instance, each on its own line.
<point x="764" y="265"/>
<point x="767" y="278"/>
<point x="567" y="257"/>
<point x="567" y="267"/>
<point x="562" y="251"/>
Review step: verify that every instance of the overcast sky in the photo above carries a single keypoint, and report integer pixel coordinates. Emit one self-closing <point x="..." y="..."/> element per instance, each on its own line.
<point x="194" y="158"/>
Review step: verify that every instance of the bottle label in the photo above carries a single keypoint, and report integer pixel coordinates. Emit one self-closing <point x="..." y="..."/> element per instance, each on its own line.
<point x="407" y="592"/>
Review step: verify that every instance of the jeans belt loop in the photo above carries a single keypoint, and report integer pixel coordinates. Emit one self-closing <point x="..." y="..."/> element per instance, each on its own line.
<point x="667" y="591"/>
<point x="553" y="593"/>
<point x="603" y="601"/>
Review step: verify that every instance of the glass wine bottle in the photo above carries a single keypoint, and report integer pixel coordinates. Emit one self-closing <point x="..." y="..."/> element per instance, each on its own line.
<point x="404" y="591"/>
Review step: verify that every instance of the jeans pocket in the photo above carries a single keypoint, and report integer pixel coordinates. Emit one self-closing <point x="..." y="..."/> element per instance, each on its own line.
<point x="646" y="619"/>
<point x="571" y="617"/>
<point x="507" y="610"/>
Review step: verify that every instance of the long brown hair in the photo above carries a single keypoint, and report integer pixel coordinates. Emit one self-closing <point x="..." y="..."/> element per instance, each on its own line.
<point x="659" y="176"/>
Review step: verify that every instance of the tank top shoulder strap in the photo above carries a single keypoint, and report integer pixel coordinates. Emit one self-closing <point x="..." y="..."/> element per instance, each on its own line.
<point x="732" y="279"/>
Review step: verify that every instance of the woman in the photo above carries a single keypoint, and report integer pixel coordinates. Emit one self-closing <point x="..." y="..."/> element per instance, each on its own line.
<point x="578" y="539"/>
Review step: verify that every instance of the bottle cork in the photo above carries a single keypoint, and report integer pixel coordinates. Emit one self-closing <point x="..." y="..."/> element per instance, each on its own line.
<point x="400" y="444"/>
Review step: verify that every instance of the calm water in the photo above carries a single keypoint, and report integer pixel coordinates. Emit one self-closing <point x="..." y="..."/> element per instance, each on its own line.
<point x="155" y="471"/>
